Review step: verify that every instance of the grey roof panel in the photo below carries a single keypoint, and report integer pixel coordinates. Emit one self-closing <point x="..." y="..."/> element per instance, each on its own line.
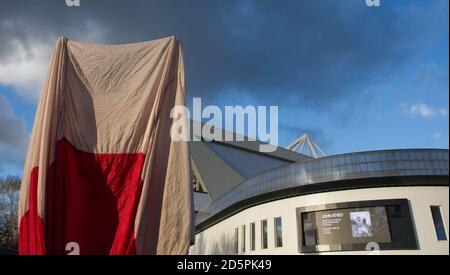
<point x="218" y="177"/>
<point x="246" y="163"/>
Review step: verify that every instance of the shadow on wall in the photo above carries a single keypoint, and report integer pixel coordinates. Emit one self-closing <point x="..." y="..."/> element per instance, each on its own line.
<point x="223" y="246"/>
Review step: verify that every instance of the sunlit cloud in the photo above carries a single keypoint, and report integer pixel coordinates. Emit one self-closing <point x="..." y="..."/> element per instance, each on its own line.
<point x="423" y="110"/>
<point x="25" y="69"/>
<point x="25" y="65"/>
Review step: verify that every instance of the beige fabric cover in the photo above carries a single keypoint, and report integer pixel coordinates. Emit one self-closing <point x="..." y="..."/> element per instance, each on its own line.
<point x="117" y="99"/>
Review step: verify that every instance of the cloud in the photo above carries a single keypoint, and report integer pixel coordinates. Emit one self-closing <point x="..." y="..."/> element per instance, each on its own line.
<point x="25" y="54"/>
<point x="25" y="69"/>
<point x="423" y="110"/>
<point x="313" y="53"/>
<point x="437" y="136"/>
<point x="13" y="136"/>
<point x="316" y="55"/>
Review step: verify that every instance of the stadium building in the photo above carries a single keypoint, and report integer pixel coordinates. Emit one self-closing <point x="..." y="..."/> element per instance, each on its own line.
<point x="286" y="202"/>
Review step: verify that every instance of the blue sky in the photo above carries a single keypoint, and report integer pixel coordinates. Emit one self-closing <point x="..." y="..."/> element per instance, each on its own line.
<point x="356" y="78"/>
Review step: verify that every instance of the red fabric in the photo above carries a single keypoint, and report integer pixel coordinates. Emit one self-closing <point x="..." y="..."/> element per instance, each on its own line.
<point x="31" y="230"/>
<point x="91" y="200"/>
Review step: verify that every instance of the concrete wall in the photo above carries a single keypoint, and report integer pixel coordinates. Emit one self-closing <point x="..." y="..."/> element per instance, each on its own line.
<point x="219" y="238"/>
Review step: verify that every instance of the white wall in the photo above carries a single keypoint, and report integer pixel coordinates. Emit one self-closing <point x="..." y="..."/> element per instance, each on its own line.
<point x="218" y="239"/>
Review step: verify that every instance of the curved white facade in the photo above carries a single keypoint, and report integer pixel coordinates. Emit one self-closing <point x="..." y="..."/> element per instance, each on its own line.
<point x="220" y="237"/>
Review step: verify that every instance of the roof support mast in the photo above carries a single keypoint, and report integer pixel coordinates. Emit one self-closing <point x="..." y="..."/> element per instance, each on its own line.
<point x="299" y="144"/>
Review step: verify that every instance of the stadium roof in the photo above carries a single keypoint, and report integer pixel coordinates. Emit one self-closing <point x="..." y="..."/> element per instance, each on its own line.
<point x="222" y="165"/>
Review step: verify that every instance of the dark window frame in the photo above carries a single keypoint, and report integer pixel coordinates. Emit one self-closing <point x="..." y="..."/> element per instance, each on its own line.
<point x="243" y="239"/>
<point x="264" y="235"/>
<point x="442" y="220"/>
<point x="252" y="236"/>
<point x="276" y="232"/>
<point x="411" y="244"/>
<point x="236" y="240"/>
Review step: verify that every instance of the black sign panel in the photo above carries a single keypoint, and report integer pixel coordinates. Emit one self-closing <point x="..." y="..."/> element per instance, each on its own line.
<point x="352" y="226"/>
<point x="346" y="226"/>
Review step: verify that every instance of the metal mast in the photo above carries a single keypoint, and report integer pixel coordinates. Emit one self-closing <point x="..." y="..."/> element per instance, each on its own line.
<point x="299" y="145"/>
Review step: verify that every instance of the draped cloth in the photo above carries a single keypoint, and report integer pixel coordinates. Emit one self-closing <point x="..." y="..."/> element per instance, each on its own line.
<point x="102" y="172"/>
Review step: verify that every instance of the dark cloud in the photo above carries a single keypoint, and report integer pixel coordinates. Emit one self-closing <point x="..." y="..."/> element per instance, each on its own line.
<point x="284" y="52"/>
<point x="317" y="54"/>
<point x="13" y="136"/>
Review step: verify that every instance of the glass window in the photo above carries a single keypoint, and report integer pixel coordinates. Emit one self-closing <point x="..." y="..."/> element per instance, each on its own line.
<point x="419" y="155"/>
<point x="236" y="240"/>
<point x="397" y="221"/>
<point x="278" y="232"/>
<point x="363" y="167"/>
<point x="264" y="242"/>
<point x="362" y="158"/>
<point x="377" y="166"/>
<point x="252" y="236"/>
<point x="421" y="164"/>
<point x="434" y="155"/>
<point x="376" y="157"/>
<point x="349" y="168"/>
<point x="348" y="160"/>
<point x="321" y="164"/>
<point x="407" y="165"/>
<point x="309" y="229"/>
<point x="243" y="239"/>
<point x="308" y="166"/>
<point x="405" y="156"/>
<point x="425" y="155"/>
<point x="335" y="161"/>
<point x="439" y="226"/>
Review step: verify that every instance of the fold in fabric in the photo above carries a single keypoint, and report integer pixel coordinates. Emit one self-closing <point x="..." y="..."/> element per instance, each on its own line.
<point x="102" y="172"/>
